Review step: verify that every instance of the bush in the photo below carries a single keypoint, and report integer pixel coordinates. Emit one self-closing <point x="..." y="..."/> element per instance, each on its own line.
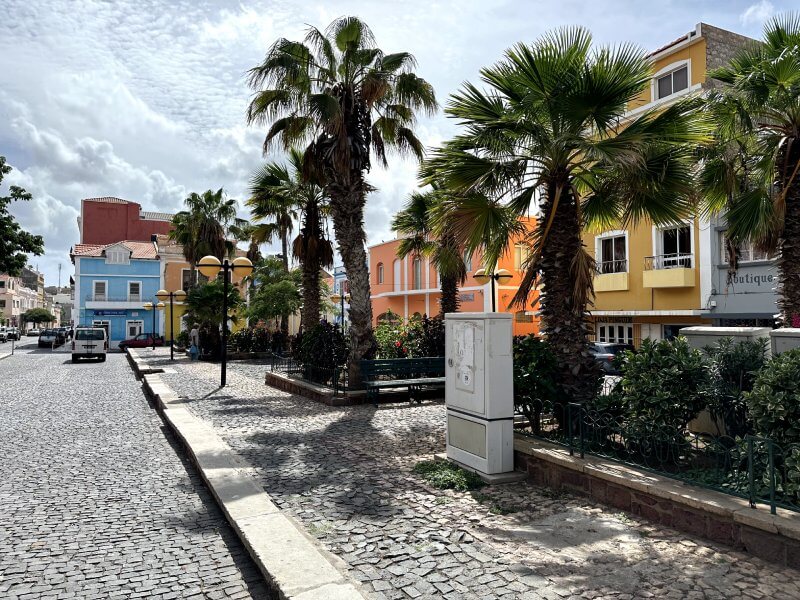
<point x="397" y="339"/>
<point x="432" y="339"/>
<point x="251" y="339"/>
<point x="665" y="384"/>
<point x="322" y="346"/>
<point x="445" y="475"/>
<point x="182" y="339"/>
<point x="535" y="379"/>
<point x="774" y="402"/>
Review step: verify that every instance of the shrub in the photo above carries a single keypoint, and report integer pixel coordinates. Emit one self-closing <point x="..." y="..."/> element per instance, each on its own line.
<point x="447" y="476"/>
<point x="535" y="378"/>
<point x="397" y="339"/>
<point x="182" y="339"/>
<point x="322" y="346"/>
<point x="774" y="402"/>
<point x="432" y="339"/>
<point x="665" y="384"/>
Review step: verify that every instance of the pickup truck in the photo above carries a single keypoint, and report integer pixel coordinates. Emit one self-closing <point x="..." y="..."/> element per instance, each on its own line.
<point x="143" y="340"/>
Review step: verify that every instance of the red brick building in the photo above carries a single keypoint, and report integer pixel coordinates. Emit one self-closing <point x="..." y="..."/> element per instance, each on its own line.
<point x="109" y="220"/>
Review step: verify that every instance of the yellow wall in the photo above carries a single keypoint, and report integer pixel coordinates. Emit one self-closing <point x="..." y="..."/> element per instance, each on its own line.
<point x="695" y="53"/>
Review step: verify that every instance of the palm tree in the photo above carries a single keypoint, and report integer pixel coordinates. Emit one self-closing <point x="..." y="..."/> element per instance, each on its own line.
<point x="204" y="306"/>
<point x="340" y="94"/>
<point x="416" y="222"/>
<point x="765" y="80"/>
<point x="203" y="228"/>
<point x="272" y="200"/>
<point x="551" y="134"/>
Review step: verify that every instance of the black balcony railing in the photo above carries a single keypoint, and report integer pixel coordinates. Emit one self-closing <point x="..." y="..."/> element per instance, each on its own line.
<point x="612" y="266"/>
<point x="668" y="261"/>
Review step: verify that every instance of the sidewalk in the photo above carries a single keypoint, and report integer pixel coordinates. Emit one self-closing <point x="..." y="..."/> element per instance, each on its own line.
<point x="345" y="474"/>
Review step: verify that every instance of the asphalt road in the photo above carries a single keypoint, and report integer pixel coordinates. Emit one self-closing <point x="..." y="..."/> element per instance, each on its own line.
<point x="97" y="499"/>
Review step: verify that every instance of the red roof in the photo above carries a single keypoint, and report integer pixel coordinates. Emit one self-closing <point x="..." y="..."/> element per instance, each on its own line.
<point x="138" y="249"/>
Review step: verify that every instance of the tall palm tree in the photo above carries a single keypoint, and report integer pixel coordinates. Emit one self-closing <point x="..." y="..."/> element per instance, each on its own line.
<point x="416" y="222"/>
<point x="344" y="97"/>
<point x="203" y="228"/>
<point x="765" y="80"/>
<point x="272" y="206"/>
<point x="550" y="134"/>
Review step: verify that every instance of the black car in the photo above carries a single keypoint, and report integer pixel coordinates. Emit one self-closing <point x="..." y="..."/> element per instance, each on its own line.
<point x="605" y="352"/>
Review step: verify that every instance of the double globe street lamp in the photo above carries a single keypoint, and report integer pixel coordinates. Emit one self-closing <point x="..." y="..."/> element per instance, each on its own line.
<point x="210" y="266"/>
<point x="501" y="277"/>
<point x="155" y="308"/>
<point x="179" y="296"/>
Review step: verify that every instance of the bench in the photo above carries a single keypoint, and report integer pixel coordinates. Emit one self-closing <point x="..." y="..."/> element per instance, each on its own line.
<point x="414" y="373"/>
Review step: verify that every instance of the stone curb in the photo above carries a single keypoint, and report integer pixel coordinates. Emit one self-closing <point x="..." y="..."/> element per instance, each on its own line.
<point x="785" y="523"/>
<point x="5" y="355"/>
<point x="289" y="558"/>
<point x="139" y="366"/>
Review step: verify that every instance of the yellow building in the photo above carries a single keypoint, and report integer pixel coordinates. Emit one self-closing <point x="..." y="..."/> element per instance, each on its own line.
<point x="651" y="281"/>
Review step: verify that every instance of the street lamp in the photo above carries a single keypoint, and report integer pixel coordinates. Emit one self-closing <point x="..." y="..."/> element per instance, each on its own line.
<point x="210" y="266"/>
<point x="337" y="298"/>
<point x="482" y="277"/>
<point x="157" y="307"/>
<point x="180" y="296"/>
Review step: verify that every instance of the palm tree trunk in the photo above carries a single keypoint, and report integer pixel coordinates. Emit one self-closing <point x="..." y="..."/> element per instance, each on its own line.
<point x="311" y="303"/>
<point x="562" y="310"/>
<point x="347" y="207"/>
<point x="449" y="295"/>
<point x="789" y="256"/>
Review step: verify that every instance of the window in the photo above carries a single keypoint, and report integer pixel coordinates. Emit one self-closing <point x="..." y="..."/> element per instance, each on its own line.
<point x="92" y="334"/>
<point x="467" y="261"/>
<point x="134" y="291"/>
<point x="521" y="253"/>
<point x="397" y="272"/>
<point x="612" y="254"/>
<point x="2" y="284"/>
<point x="186" y="277"/>
<point x="417" y="279"/>
<point x="133" y="329"/>
<point x="746" y="251"/>
<point x="615" y="333"/>
<point x="673" y="82"/>
<point x="117" y="257"/>
<point x="380" y="272"/>
<point x="99" y="290"/>
<point x="675" y="248"/>
<point x="2" y="303"/>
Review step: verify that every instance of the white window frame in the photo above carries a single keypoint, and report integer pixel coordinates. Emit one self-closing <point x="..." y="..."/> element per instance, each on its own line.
<point x="743" y="260"/>
<point x="603" y="330"/>
<point x="598" y="247"/>
<point x="467" y="261"/>
<point x="94" y="290"/>
<point x="523" y="249"/>
<point x="416" y="278"/>
<point x="658" y="239"/>
<point x="380" y="273"/>
<point x="103" y="323"/>
<point x="139" y="299"/>
<point x="128" y="327"/>
<point x="669" y="69"/>
<point x="397" y="275"/>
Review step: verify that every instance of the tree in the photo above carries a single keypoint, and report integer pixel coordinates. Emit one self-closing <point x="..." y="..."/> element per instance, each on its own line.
<point x="551" y="133"/>
<point x="37" y="315"/>
<point x="416" y="222"/>
<point x="273" y="199"/>
<point x="346" y="99"/>
<point x="15" y="242"/>
<point x="204" y="307"/>
<point x="275" y="300"/>
<point x="764" y="79"/>
<point x="204" y="227"/>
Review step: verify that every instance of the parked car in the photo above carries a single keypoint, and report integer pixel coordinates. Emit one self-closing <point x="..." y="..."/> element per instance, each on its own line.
<point x="12" y="334"/>
<point x="143" y="340"/>
<point x="605" y="352"/>
<point x="34" y="332"/>
<point x="66" y="332"/>
<point x="89" y="342"/>
<point x="3" y="334"/>
<point x="48" y="337"/>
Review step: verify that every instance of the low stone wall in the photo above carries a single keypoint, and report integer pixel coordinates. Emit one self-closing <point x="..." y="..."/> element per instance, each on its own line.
<point x="314" y="392"/>
<point x="711" y="515"/>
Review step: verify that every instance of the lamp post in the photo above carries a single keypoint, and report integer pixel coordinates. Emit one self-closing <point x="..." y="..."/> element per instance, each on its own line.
<point x="180" y="296"/>
<point x="482" y="277"/>
<point x="157" y="307"/>
<point x="210" y="266"/>
<point x="337" y="298"/>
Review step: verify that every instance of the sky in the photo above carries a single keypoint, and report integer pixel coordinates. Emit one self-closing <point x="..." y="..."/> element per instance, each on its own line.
<point x="145" y="100"/>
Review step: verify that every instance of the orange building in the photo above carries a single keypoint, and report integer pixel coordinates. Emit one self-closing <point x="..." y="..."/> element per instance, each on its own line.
<point x="410" y="286"/>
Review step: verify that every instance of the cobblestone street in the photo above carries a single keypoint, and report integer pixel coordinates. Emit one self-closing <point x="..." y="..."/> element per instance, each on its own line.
<point x="345" y="473"/>
<point x="96" y="499"/>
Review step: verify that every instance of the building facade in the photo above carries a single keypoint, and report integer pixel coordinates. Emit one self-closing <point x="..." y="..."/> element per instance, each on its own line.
<point x="651" y="281"/>
<point x="15" y="299"/>
<point x="108" y="220"/>
<point x="112" y="283"/>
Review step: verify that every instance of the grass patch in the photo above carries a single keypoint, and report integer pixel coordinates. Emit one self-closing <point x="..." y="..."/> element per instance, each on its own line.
<point x="447" y="476"/>
<point x="443" y="500"/>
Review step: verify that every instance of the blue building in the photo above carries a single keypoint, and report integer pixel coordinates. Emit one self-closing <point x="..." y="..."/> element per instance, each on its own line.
<point x="112" y="283"/>
<point x="342" y="287"/>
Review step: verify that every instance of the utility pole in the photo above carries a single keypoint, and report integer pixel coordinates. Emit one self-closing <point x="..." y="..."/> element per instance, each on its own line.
<point x="59" y="279"/>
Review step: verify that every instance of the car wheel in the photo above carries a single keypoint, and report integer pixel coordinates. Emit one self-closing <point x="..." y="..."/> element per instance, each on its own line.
<point x="74" y="358"/>
<point x="103" y="358"/>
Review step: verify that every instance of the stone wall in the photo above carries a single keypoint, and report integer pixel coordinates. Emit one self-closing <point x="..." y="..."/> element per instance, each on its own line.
<point x="721" y="46"/>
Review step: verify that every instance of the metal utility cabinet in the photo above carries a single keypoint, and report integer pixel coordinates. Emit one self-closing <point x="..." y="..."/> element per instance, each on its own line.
<point x="479" y="391"/>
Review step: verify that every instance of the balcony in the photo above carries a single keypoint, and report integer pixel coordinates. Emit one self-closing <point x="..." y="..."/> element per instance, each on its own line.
<point x="669" y="271"/>
<point x="104" y="301"/>
<point x="611" y="276"/>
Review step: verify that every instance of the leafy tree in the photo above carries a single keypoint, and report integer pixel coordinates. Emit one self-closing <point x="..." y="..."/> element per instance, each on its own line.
<point x="275" y="300"/>
<point x="416" y="223"/>
<point x="764" y="80"/>
<point x="37" y="315"/>
<point x="348" y="100"/>
<point x="15" y="243"/>
<point x="204" y="307"/>
<point x="551" y="134"/>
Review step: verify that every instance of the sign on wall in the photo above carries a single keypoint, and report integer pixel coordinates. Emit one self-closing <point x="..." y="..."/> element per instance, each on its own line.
<point x="110" y="313"/>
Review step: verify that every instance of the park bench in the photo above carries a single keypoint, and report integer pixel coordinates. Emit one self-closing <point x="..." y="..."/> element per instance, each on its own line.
<point x="416" y="374"/>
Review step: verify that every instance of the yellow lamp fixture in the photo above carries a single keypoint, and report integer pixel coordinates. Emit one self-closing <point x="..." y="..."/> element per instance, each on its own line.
<point x="242" y="266"/>
<point x="162" y="294"/>
<point x="336" y="298"/>
<point x="209" y="266"/>
<point x="481" y="277"/>
<point x="179" y="296"/>
<point x="503" y="276"/>
<point x="147" y="306"/>
<point x="160" y="306"/>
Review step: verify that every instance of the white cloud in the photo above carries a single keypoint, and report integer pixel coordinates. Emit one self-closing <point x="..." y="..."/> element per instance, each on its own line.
<point x="757" y="13"/>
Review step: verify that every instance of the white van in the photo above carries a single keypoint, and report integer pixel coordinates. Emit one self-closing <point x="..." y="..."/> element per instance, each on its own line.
<point x="89" y="342"/>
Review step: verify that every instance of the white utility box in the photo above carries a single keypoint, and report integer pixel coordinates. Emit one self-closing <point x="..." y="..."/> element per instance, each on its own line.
<point x="479" y="391"/>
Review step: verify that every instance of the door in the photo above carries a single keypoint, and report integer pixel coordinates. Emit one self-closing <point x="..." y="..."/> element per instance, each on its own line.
<point x="105" y="325"/>
<point x="133" y="328"/>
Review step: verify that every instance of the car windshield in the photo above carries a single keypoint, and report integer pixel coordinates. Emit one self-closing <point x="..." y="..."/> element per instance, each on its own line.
<point x="48" y="332"/>
<point x="89" y="334"/>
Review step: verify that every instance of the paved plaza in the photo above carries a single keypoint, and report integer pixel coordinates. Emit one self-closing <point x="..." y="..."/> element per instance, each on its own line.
<point x="345" y="473"/>
<point x="96" y="499"/>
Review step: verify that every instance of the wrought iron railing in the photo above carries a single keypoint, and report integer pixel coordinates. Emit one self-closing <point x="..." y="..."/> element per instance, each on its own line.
<point x="612" y="266"/>
<point x="668" y="261"/>
<point x="107" y="298"/>
<point x="333" y="378"/>
<point x="755" y="468"/>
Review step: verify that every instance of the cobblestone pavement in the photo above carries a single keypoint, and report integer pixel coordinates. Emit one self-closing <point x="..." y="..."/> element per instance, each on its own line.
<point x="346" y="474"/>
<point x="95" y="499"/>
